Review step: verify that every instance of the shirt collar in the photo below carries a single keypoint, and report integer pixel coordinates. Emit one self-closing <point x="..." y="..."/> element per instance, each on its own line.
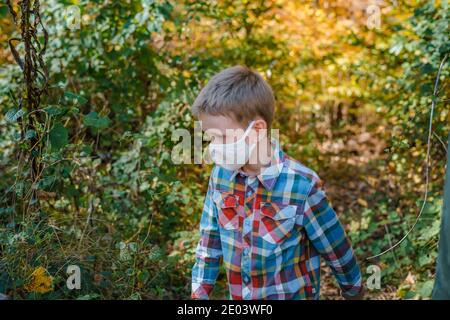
<point x="269" y="175"/>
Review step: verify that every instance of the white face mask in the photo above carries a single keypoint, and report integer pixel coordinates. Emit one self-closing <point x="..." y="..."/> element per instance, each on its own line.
<point x="232" y="156"/>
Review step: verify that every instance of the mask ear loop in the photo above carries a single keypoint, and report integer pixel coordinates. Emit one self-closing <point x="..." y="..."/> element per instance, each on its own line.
<point x="250" y="127"/>
<point x="258" y="138"/>
<point x="246" y="132"/>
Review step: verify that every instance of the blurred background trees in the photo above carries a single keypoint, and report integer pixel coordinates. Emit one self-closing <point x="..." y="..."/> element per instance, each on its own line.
<point x="354" y="86"/>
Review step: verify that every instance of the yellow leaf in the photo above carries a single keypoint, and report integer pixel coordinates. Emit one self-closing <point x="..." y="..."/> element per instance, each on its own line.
<point x="363" y="202"/>
<point x="41" y="281"/>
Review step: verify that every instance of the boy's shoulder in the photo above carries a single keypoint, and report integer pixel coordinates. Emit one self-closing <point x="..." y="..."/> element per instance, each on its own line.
<point x="290" y="172"/>
<point x="294" y="169"/>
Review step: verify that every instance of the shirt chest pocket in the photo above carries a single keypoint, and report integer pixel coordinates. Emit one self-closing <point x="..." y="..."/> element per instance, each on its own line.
<point x="228" y="210"/>
<point x="276" y="221"/>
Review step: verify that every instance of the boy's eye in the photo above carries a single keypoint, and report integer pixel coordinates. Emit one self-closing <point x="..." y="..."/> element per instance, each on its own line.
<point x="209" y="137"/>
<point x="217" y="139"/>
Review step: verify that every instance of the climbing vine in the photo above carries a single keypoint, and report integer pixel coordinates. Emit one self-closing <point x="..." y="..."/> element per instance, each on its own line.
<point x="32" y="122"/>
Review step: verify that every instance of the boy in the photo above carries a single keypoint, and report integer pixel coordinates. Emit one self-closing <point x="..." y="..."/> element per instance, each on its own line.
<point x="265" y="214"/>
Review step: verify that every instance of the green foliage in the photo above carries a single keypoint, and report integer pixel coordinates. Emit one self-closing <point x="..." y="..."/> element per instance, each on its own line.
<point x="58" y="136"/>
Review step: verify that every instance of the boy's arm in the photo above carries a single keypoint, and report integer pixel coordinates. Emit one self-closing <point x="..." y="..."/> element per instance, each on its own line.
<point x="329" y="239"/>
<point x="208" y="252"/>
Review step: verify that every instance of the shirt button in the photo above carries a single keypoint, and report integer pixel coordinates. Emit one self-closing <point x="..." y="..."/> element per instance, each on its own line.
<point x="246" y="279"/>
<point x="249" y="193"/>
<point x="246" y="251"/>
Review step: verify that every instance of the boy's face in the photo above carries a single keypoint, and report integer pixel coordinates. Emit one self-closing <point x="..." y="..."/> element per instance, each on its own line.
<point x="221" y="129"/>
<point x="224" y="130"/>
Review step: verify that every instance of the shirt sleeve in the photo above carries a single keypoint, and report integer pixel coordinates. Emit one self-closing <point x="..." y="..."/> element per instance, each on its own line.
<point x="208" y="251"/>
<point x="328" y="237"/>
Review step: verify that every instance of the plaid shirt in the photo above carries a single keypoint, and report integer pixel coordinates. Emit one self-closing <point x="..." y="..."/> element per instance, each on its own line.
<point x="271" y="231"/>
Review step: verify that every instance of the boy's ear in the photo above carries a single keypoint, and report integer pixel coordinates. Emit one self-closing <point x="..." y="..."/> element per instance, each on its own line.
<point x="260" y="124"/>
<point x="260" y="127"/>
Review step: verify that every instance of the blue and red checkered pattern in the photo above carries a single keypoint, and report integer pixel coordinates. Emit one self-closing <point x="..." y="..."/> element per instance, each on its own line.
<point x="270" y="231"/>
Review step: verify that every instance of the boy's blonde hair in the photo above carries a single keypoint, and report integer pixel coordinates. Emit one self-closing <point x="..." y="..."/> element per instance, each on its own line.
<point x="239" y="93"/>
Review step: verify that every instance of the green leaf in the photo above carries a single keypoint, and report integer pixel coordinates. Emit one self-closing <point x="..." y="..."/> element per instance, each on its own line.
<point x="47" y="182"/>
<point x="426" y="88"/>
<point x="90" y="296"/>
<point x="133" y="246"/>
<point x="143" y="276"/>
<point x="426" y="288"/>
<point x="86" y="150"/>
<point x="408" y="295"/>
<point x="54" y="110"/>
<point x="425" y="259"/>
<point x="76" y="97"/>
<point x="3" y="11"/>
<point x="426" y="68"/>
<point x="431" y="231"/>
<point x="92" y="119"/>
<point x="14" y="114"/>
<point x="7" y="211"/>
<point x="58" y="136"/>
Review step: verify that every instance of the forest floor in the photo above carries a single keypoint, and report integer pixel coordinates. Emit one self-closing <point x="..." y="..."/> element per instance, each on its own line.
<point x="351" y="180"/>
